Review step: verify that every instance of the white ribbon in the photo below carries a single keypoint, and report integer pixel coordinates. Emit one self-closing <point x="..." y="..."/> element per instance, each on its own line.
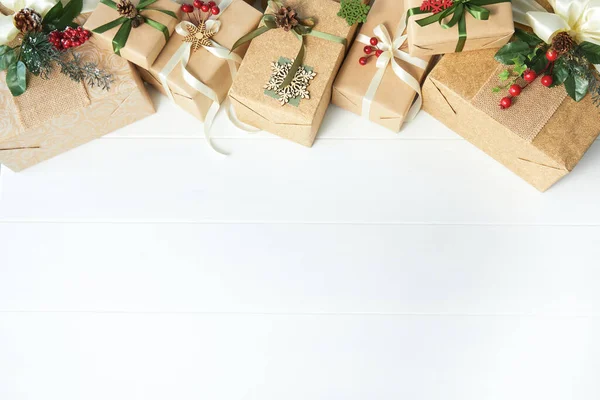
<point x="182" y="57"/>
<point x="391" y="52"/>
<point x="579" y="18"/>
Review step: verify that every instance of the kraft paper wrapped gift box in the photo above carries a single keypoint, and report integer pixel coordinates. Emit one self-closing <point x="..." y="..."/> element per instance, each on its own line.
<point x="541" y="137"/>
<point x="144" y="43"/>
<point x="236" y="20"/>
<point x="57" y="115"/>
<point x="393" y="97"/>
<point x="297" y="123"/>
<point x="432" y="39"/>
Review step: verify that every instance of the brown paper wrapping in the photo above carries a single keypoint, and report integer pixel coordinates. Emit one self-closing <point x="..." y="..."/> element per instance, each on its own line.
<point x="145" y="42"/>
<point x="301" y="123"/>
<point x="433" y="39"/>
<point x="394" y="97"/>
<point x="125" y="103"/>
<point x="448" y="93"/>
<point x="237" y="20"/>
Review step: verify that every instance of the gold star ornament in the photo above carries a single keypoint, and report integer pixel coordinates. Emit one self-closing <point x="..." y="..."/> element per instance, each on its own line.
<point x="199" y="36"/>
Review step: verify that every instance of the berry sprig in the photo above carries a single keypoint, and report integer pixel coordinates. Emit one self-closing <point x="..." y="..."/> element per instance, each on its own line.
<point x="529" y="76"/>
<point x="370" y="51"/>
<point x="200" y="11"/>
<point x="69" y="38"/>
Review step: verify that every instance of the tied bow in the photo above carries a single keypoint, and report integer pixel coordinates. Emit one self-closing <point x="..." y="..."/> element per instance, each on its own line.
<point x="392" y="53"/>
<point x="182" y="57"/>
<point x="579" y="18"/>
<point x="458" y="10"/>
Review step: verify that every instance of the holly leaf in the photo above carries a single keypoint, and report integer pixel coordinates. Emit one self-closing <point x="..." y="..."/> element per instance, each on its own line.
<point x="7" y="57"/>
<point x="496" y="89"/>
<point x="54" y="14"/>
<point x="538" y="64"/>
<point x="591" y="51"/>
<point x="529" y="38"/>
<point x="16" y="78"/>
<point x="560" y="73"/>
<point x="577" y="87"/>
<point x="70" y="12"/>
<point x="504" y="75"/>
<point x="511" y="51"/>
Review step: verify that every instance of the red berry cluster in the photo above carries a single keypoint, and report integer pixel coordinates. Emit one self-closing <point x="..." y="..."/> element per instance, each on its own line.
<point x="69" y="38"/>
<point x="530" y="76"/>
<point x="371" y="50"/>
<point x="209" y="7"/>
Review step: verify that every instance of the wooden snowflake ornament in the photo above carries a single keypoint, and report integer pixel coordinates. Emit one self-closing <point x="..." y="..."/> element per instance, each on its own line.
<point x="199" y="36"/>
<point x="436" y="6"/>
<point x="298" y="89"/>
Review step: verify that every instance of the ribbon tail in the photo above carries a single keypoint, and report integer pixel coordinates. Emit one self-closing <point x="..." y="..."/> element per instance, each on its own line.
<point x="121" y="37"/>
<point x="208" y="122"/>
<point x="462" y="34"/>
<point x="414" y="84"/>
<point x="228" y="106"/>
<point x="371" y="91"/>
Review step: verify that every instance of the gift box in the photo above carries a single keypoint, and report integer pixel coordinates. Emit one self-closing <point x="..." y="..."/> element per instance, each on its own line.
<point x="384" y="89"/>
<point x="254" y="93"/>
<point x="237" y="19"/>
<point x="540" y="138"/>
<point x="142" y="44"/>
<point x="55" y="115"/>
<point x="470" y="25"/>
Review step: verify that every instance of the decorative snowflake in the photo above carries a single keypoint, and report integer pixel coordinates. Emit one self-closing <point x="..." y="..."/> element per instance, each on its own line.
<point x="353" y="11"/>
<point x="298" y="88"/>
<point x="199" y="36"/>
<point x="436" y="6"/>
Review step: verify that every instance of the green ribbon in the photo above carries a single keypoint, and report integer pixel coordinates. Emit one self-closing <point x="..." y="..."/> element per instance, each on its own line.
<point x="120" y="39"/>
<point x="304" y="28"/>
<point x="458" y="10"/>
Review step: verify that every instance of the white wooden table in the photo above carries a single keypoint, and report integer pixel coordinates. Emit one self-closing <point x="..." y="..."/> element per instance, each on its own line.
<point x="372" y="266"/>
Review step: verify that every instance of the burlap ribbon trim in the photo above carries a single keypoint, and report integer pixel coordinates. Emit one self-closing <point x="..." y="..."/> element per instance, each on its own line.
<point x="45" y="99"/>
<point x="530" y="112"/>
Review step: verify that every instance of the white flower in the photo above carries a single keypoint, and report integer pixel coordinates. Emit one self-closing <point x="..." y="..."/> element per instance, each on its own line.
<point x="7" y="28"/>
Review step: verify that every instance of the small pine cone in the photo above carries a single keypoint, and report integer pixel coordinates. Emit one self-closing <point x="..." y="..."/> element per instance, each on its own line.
<point x="28" y="20"/>
<point x="563" y="42"/>
<point x="137" y="21"/>
<point x="127" y="9"/>
<point x="286" y="18"/>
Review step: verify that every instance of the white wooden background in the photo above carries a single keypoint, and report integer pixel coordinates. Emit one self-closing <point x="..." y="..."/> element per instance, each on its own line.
<point x="372" y="266"/>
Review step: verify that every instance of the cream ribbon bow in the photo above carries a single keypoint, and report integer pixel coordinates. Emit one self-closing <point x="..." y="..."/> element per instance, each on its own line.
<point x="391" y="52"/>
<point x="579" y="18"/>
<point x="7" y="27"/>
<point x="182" y="58"/>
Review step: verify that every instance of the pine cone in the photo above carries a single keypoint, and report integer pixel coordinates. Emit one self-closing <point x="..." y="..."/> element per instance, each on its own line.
<point x="137" y="21"/>
<point x="28" y="20"/>
<point x="127" y="9"/>
<point x="563" y="42"/>
<point x="286" y="18"/>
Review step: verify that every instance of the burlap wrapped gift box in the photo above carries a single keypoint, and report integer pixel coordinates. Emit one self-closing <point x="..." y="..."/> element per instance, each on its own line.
<point x="237" y="20"/>
<point x="481" y="34"/>
<point x="451" y="92"/>
<point x="56" y="115"/>
<point x="254" y="107"/>
<point x="394" y="97"/>
<point x="145" y="42"/>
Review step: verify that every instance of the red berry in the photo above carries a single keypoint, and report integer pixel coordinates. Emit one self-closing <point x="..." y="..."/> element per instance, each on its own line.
<point x="368" y="49"/>
<point x="529" y="76"/>
<point x="378" y="53"/>
<point x="374" y="41"/>
<point x="363" y="60"/>
<point x="212" y="4"/>
<point x="547" y="80"/>
<point x="514" y="90"/>
<point x="505" y="103"/>
<point x="198" y="3"/>
<point x="552" y="55"/>
<point x="187" y="8"/>
<point x="205" y="8"/>
<point x="214" y="10"/>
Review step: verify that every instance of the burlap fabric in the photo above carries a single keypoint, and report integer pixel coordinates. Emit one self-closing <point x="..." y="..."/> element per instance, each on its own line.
<point x="47" y="98"/>
<point x="531" y="110"/>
